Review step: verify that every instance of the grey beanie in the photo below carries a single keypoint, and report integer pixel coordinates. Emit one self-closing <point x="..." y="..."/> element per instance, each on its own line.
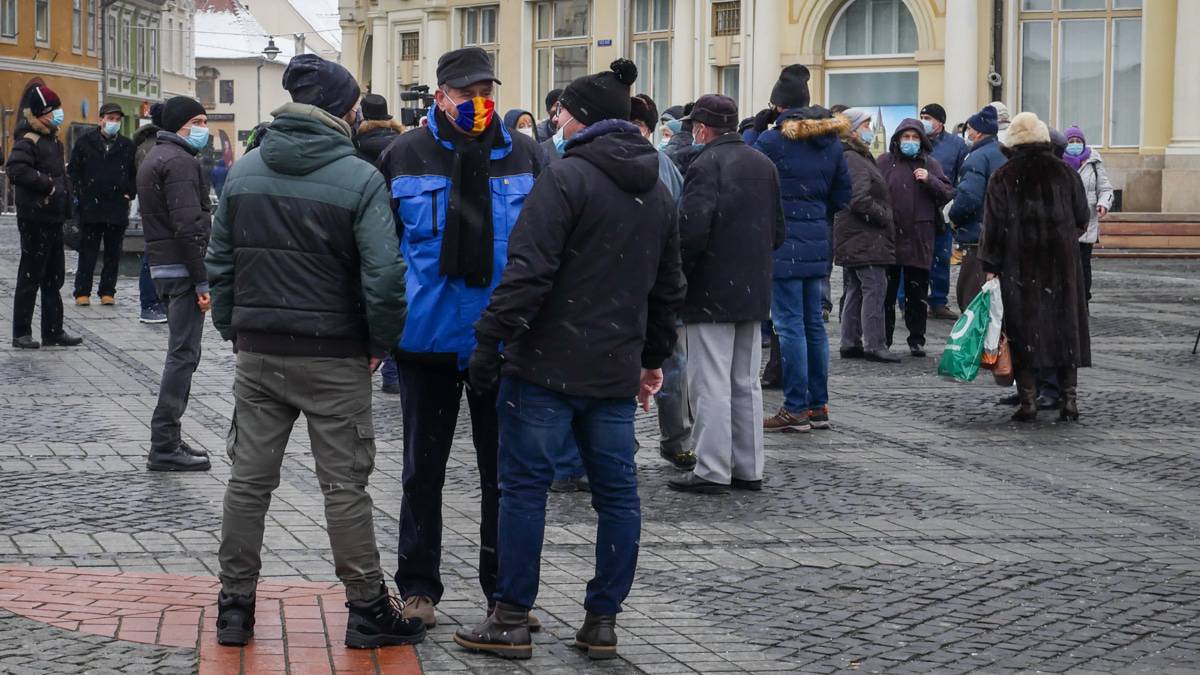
<point x="856" y="116"/>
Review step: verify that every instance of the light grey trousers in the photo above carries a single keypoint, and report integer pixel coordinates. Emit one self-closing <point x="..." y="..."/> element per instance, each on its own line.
<point x="726" y="399"/>
<point x="862" y="307"/>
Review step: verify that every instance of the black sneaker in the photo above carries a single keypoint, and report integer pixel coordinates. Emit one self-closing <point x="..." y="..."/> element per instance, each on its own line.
<point x="176" y="459"/>
<point x="598" y="636"/>
<point x="63" y="339"/>
<point x="505" y="633"/>
<point x="741" y="484"/>
<point x="690" y="482"/>
<point x="855" y="352"/>
<point x="235" y="620"/>
<point x="380" y="623"/>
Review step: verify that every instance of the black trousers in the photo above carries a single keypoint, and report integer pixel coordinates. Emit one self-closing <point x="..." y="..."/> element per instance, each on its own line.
<point x="112" y="235"/>
<point x="40" y="269"/>
<point x="1085" y="257"/>
<point x="430" y="395"/>
<point x="916" y="308"/>
<point x="185" y="330"/>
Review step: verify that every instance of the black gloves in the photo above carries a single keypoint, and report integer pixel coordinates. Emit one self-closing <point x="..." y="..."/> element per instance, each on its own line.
<point x="765" y="118"/>
<point x="484" y="373"/>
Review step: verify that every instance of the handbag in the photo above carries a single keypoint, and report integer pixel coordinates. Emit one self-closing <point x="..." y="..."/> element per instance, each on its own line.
<point x="1003" y="370"/>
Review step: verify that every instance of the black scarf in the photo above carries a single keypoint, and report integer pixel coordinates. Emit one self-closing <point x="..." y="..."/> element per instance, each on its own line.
<point x="467" y="243"/>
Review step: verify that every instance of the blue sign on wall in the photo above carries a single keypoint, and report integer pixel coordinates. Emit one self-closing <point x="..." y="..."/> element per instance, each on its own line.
<point x="603" y="43"/>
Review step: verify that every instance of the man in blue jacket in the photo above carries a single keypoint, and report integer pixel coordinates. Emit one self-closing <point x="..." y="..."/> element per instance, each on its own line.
<point x="457" y="187"/>
<point x="966" y="214"/>
<point x="814" y="183"/>
<point x="950" y="151"/>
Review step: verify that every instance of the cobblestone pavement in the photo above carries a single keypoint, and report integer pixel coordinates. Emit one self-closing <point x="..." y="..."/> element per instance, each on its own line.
<point x="924" y="533"/>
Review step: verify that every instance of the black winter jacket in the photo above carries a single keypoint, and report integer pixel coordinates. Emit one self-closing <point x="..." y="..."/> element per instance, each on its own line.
<point x="304" y="258"/>
<point x="863" y="233"/>
<point x="730" y="223"/>
<point x="103" y="175"/>
<point x="593" y="280"/>
<point x="374" y="136"/>
<point x="36" y="167"/>
<point x="175" y="207"/>
<point x="144" y="140"/>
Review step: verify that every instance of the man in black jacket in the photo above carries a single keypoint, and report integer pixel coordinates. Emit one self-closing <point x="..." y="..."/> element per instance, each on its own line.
<point x="585" y="312"/>
<point x="546" y="129"/>
<point x="730" y="223"/>
<point x="35" y="167"/>
<point x="378" y="128"/>
<point x="103" y="175"/>
<point x="176" y="219"/>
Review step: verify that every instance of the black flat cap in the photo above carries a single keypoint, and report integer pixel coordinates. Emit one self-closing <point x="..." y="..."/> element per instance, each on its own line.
<point x="715" y="110"/>
<point x="111" y="107"/>
<point x="464" y="67"/>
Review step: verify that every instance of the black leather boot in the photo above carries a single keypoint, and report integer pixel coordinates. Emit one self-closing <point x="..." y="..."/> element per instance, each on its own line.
<point x="1027" y="393"/>
<point x="177" y="459"/>
<point x="235" y="619"/>
<point x="772" y="377"/>
<point x="598" y="636"/>
<point x="505" y="633"/>
<point x="1068" y="383"/>
<point x="380" y="623"/>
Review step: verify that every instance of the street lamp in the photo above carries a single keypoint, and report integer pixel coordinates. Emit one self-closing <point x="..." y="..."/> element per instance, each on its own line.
<point x="269" y="53"/>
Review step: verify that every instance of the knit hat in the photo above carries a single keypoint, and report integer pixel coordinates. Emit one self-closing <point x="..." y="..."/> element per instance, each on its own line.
<point x="791" y="91"/>
<point x="1001" y="113"/>
<point x="374" y="107"/>
<point x="41" y="99"/>
<point x="856" y="116"/>
<point x="642" y="109"/>
<point x="1058" y="141"/>
<point x="601" y="96"/>
<point x="156" y="112"/>
<point x="178" y="110"/>
<point x="1075" y="132"/>
<point x="1027" y="129"/>
<point x="984" y="121"/>
<point x="936" y="111"/>
<point x="312" y="80"/>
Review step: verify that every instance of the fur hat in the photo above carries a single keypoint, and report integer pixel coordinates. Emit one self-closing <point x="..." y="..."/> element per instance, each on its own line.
<point x="1027" y="129"/>
<point x="41" y="99"/>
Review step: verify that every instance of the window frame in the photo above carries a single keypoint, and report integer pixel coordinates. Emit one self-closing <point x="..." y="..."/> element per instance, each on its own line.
<point x="724" y="6"/>
<point x="41" y="41"/>
<point x="221" y="85"/>
<point x="551" y="43"/>
<point x="405" y="36"/>
<point x="837" y="19"/>
<point x="646" y="82"/>
<point x="93" y="23"/>
<point x="10" y="14"/>
<point x="77" y="24"/>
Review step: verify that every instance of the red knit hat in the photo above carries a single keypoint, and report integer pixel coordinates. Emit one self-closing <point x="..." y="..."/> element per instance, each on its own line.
<point x="41" y="100"/>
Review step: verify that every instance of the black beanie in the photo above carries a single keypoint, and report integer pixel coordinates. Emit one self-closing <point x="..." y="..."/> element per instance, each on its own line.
<point x="642" y="108"/>
<point x="178" y="110"/>
<point x="312" y="80"/>
<point x="601" y="96"/>
<point x="791" y="91"/>
<point x="936" y="111"/>
<point x="156" y="112"/>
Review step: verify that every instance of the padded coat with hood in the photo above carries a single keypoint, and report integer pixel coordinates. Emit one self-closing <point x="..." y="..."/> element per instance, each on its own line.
<point x="37" y="168"/>
<point x="304" y="259"/>
<point x="814" y="183"/>
<point x="374" y="136"/>
<point x="916" y="205"/>
<point x="862" y="232"/>
<point x="966" y="214"/>
<point x="593" y="281"/>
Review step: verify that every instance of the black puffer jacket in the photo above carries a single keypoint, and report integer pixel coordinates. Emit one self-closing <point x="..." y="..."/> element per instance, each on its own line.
<point x="36" y="167"/>
<point x="730" y="222"/>
<point x="374" y="136"/>
<point x="175" y="206"/>
<point x="863" y="233"/>
<point x="143" y="142"/>
<point x="103" y="175"/>
<point x="593" y="280"/>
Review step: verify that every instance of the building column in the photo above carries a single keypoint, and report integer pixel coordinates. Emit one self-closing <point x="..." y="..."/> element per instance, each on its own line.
<point x="382" y="80"/>
<point x="770" y="16"/>
<point x="349" y="56"/>
<point x="684" y="59"/>
<point x="436" y="39"/>
<point x="961" y="69"/>
<point x="1181" y="174"/>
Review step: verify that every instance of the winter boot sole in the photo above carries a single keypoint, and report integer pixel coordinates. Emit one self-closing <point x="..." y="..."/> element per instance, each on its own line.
<point x="166" y="466"/>
<point x="520" y="652"/>
<point x="597" y="652"/>
<point x="356" y="640"/>
<point x="234" y="637"/>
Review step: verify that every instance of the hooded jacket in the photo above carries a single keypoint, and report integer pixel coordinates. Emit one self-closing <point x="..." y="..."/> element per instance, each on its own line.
<point x="730" y="223"/>
<point x="1099" y="191"/>
<point x="36" y="167"/>
<point x="593" y="280"/>
<point x="103" y="175"/>
<point x="916" y="205"/>
<point x="512" y="116"/>
<point x="815" y="184"/>
<point x="176" y="210"/>
<point x="418" y="166"/>
<point x="304" y="259"/>
<point x="862" y="232"/>
<point x="966" y="213"/>
<point x="374" y="136"/>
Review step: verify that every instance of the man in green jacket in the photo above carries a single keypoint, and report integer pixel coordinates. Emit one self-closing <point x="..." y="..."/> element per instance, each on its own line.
<point x="307" y="281"/>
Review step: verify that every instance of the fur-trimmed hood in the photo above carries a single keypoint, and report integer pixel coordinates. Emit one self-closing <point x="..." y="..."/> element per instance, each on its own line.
<point x="28" y="123"/>
<point x="371" y="125"/>
<point x="806" y="124"/>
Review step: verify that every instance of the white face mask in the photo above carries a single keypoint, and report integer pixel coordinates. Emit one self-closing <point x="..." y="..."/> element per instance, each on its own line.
<point x="528" y="131"/>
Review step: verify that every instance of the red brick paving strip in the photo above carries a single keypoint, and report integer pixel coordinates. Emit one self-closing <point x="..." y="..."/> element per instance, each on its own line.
<point x="299" y="626"/>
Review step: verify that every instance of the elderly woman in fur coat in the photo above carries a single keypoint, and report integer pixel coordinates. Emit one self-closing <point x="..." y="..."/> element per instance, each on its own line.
<point x="1036" y="210"/>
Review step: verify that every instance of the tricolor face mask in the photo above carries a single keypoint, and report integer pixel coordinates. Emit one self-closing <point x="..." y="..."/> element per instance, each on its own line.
<point x="474" y="114"/>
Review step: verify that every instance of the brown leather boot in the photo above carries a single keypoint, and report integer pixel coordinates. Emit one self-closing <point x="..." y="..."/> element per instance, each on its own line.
<point x="1027" y="393"/>
<point x="505" y="633"/>
<point x="598" y="636"/>
<point x="1068" y="384"/>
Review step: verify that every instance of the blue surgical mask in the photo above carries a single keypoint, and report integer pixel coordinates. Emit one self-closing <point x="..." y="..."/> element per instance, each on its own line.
<point x="57" y="117"/>
<point x="560" y="141"/>
<point x="662" y="145"/>
<point x="968" y="141"/>
<point x="197" y="136"/>
<point x="675" y="126"/>
<point x="697" y="145"/>
<point x="910" y="148"/>
<point x="867" y="136"/>
<point x="928" y="127"/>
<point x="1074" y="149"/>
<point x="111" y="128"/>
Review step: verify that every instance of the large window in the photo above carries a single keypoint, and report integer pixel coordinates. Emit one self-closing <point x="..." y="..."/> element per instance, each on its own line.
<point x="873" y="28"/>
<point x="41" y="21"/>
<point x="478" y="29"/>
<point x="126" y="43"/>
<point x="561" y="40"/>
<point x="76" y="25"/>
<point x="92" y="22"/>
<point x="1081" y="65"/>
<point x="8" y="18"/>
<point x="651" y="47"/>
<point x="729" y="81"/>
<point x="112" y="40"/>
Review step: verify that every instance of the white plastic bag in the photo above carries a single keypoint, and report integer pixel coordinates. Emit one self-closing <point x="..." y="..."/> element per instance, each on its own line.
<point x="991" y="339"/>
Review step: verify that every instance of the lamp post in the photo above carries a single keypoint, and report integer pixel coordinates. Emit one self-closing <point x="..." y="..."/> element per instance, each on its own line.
<point x="269" y="53"/>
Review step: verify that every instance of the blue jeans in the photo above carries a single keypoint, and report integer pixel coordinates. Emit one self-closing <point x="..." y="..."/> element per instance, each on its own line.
<point x="535" y="424"/>
<point x="674" y="414"/>
<point x="939" y="274"/>
<point x="147" y="293"/>
<point x="389" y="372"/>
<point x="567" y="462"/>
<point x="803" y="343"/>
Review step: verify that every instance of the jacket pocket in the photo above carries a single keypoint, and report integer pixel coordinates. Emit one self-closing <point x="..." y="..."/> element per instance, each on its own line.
<point x="420" y="204"/>
<point x="508" y="196"/>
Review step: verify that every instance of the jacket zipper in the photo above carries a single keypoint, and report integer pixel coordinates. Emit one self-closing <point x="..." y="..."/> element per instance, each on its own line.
<point x="435" y="215"/>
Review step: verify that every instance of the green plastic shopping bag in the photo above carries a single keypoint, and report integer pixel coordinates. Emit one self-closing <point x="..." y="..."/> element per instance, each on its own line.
<point x="964" y="347"/>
